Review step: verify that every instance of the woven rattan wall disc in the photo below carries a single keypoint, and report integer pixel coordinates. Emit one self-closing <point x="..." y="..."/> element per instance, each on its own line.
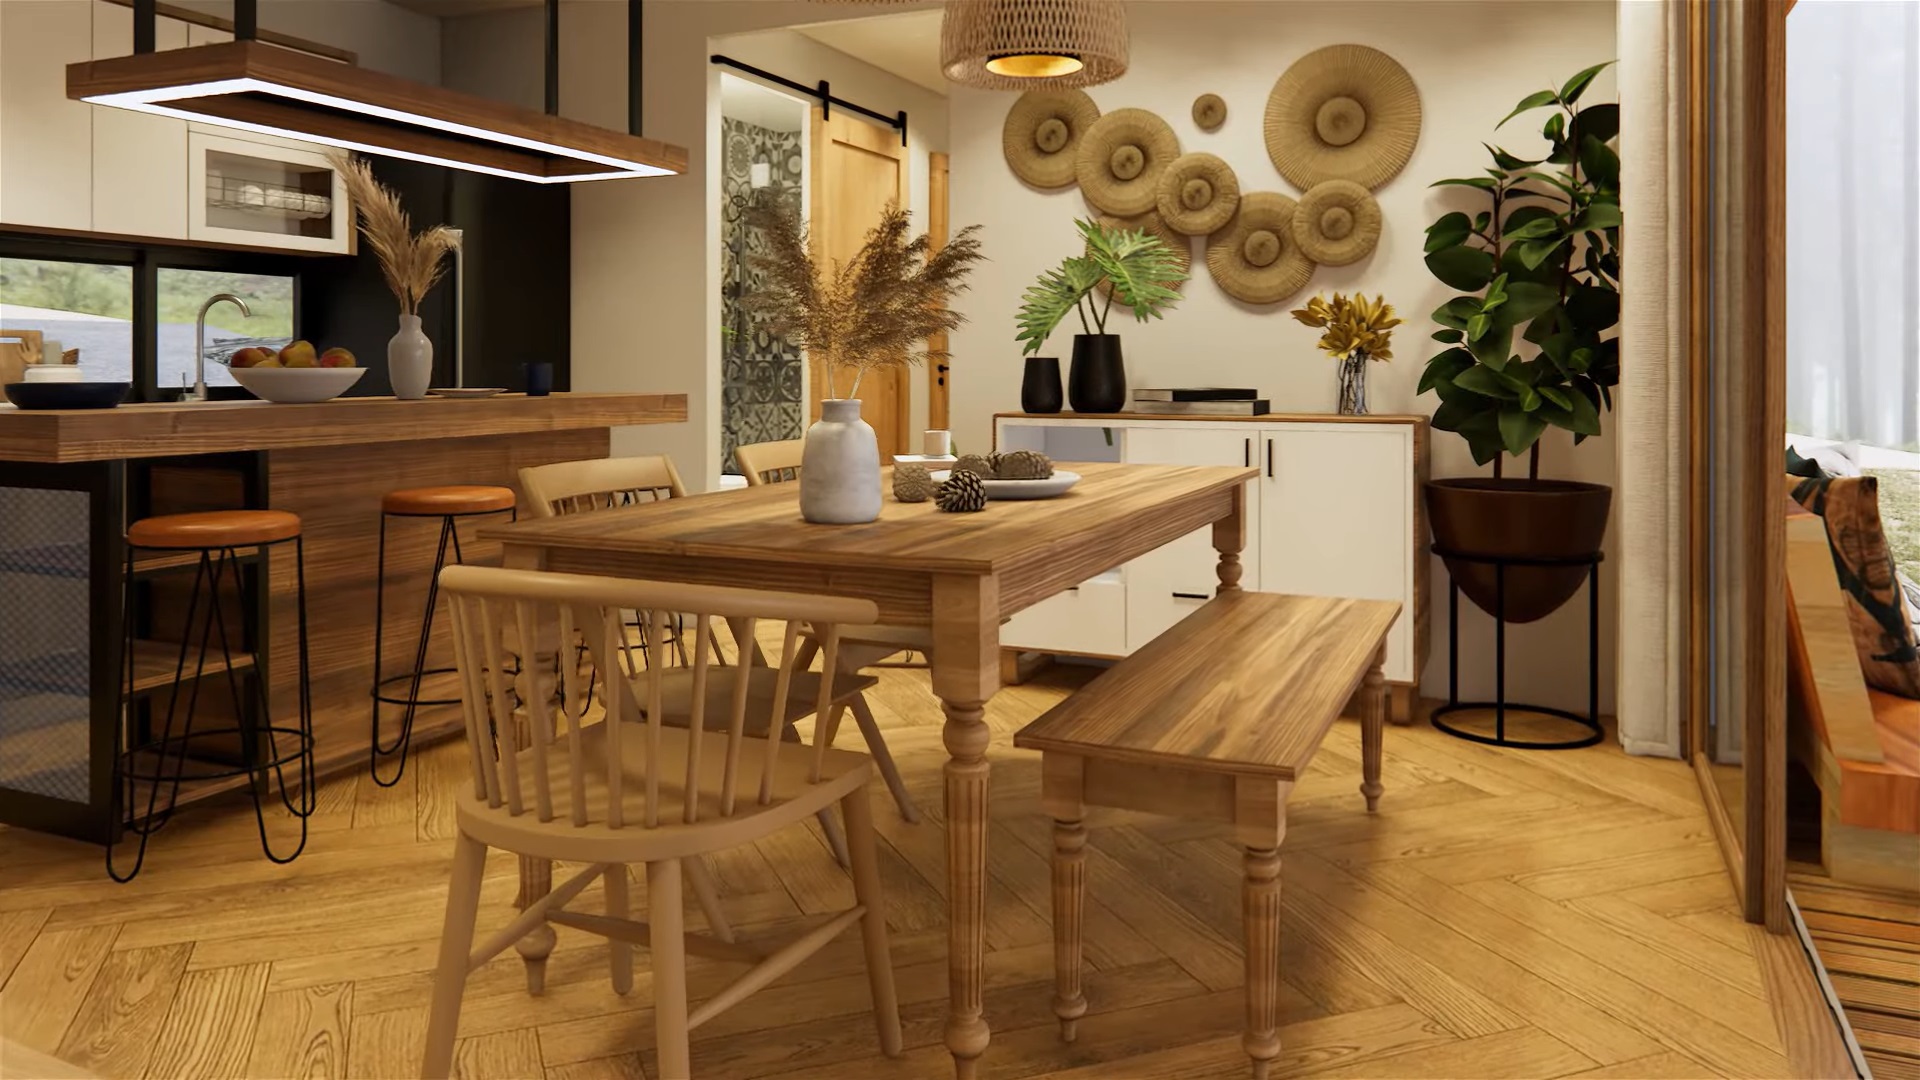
<point x="1209" y="112"/>
<point x="1255" y="258"/>
<point x="1043" y="132"/>
<point x="1337" y="223"/>
<point x="1120" y="161"/>
<point x="1198" y="194"/>
<point x="1345" y="112"/>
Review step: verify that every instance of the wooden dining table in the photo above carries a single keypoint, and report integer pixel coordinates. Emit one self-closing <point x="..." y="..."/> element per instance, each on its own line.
<point x="960" y="574"/>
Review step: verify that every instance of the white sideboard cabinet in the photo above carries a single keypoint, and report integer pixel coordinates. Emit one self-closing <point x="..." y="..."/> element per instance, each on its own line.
<point x="1336" y="511"/>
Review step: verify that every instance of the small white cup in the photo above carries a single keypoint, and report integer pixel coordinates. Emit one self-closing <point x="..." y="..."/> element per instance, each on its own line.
<point x="54" y="373"/>
<point x="937" y="444"/>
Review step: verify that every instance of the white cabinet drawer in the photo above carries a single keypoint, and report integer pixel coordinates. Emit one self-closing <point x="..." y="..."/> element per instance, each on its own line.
<point x="1089" y="619"/>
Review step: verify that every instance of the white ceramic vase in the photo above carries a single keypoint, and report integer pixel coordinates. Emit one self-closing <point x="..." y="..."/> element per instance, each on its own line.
<point x="410" y="360"/>
<point x="840" y="467"/>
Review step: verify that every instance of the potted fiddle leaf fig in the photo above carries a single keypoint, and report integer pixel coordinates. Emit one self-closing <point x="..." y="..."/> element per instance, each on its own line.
<point x="1530" y="343"/>
<point x="1139" y="271"/>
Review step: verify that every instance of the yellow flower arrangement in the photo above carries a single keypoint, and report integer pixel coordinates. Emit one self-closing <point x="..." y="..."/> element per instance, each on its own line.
<point x="1353" y="325"/>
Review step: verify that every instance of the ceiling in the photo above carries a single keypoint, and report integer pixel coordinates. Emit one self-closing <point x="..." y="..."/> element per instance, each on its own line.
<point x="906" y="45"/>
<point x="450" y="9"/>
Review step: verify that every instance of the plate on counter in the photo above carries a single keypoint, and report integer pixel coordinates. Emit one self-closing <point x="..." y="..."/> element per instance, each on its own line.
<point x="466" y="391"/>
<point x="1009" y="490"/>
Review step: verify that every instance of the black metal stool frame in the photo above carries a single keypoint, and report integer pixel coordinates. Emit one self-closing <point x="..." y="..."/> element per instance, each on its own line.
<point x="1500" y="704"/>
<point x="412" y="701"/>
<point x="214" y="563"/>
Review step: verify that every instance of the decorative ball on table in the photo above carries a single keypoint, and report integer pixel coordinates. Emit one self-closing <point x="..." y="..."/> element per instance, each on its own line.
<point x="982" y="466"/>
<point x="1024" y="465"/>
<point x="912" y="483"/>
<point x="963" y="493"/>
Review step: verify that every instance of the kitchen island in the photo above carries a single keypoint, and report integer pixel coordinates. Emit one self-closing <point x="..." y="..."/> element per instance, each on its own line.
<point x="71" y="481"/>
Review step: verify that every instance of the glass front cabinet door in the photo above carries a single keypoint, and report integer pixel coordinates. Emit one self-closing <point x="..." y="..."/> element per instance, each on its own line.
<point x="265" y="193"/>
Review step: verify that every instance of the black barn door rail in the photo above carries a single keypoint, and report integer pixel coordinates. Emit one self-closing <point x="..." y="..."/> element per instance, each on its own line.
<point x="821" y="93"/>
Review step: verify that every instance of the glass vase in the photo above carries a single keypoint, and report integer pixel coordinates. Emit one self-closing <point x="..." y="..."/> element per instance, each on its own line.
<point x="1353" y="384"/>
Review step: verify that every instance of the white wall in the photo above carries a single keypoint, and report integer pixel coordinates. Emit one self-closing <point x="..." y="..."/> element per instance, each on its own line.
<point x="387" y="37"/>
<point x="1471" y="61"/>
<point x="646" y="253"/>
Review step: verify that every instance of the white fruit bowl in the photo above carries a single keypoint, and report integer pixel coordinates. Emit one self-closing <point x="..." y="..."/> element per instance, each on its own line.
<point x="295" y="386"/>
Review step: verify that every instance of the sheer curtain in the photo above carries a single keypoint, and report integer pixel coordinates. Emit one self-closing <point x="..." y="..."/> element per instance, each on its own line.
<point x="1853" y="221"/>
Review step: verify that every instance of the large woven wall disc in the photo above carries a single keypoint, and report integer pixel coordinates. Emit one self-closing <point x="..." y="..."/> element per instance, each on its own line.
<point x="1151" y="224"/>
<point x="1255" y="258"/>
<point x="1121" y="158"/>
<point x="1336" y="223"/>
<point x="1042" y="133"/>
<point x="1198" y="194"/>
<point x="1345" y="112"/>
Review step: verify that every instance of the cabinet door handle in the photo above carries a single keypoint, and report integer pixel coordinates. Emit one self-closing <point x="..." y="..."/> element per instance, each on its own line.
<point x="1269" y="459"/>
<point x="1191" y="596"/>
<point x="1246" y="457"/>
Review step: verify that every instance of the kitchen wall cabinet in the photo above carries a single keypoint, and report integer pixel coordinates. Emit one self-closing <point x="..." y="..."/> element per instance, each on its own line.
<point x="1336" y="511"/>
<point x="139" y="163"/>
<point x="46" y="141"/>
<point x="262" y="192"/>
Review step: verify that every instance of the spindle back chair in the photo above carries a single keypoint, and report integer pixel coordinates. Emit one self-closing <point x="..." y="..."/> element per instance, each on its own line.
<point x="770" y="462"/>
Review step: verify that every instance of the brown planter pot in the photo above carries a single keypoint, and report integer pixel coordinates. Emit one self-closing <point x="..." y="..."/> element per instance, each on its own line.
<point x="1524" y="519"/>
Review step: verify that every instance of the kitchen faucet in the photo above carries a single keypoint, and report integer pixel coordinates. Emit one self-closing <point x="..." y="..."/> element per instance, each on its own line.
<point x="199" y="392"/>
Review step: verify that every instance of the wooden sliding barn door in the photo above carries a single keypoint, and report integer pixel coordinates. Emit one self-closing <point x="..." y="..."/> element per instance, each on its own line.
<point x="858" y="168"/>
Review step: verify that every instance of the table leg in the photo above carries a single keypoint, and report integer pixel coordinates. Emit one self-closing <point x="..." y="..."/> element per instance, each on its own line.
<point x="1373" y="720"/>
<point x="1229" y="539"/>
<point x="1260" y="899"/>
<point x="536" y="875"/>
<point x="966" y="672"/>
<point x="1069" y="898"/>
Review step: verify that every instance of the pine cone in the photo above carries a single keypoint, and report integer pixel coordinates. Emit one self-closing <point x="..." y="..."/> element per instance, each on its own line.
<point x="912" y="483"/>
<point x="1024" y="465"/>
<point x="980" y="465"/>
<point x="963" y="493"/>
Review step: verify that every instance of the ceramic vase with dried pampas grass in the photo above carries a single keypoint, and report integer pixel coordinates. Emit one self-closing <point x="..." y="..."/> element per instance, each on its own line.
<point x="411" y="262"/>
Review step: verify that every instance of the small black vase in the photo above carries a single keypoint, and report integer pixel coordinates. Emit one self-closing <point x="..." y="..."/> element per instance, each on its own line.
<point x="1097" y="382"/>
<point x="1040" y="388"/>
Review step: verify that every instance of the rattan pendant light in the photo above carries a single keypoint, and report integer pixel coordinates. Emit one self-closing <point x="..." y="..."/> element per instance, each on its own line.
<point x="1029" y="44"/>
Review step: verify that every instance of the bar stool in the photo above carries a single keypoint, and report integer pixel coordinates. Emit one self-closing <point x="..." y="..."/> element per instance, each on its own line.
<point x="449" y="504"/>
<point x="217" y="537"/>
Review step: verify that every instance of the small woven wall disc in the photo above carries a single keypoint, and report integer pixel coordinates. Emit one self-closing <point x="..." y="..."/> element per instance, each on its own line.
<point x="1337" y="223"/>
<point x="1151" y="224"/>
<point x="1209" y="112"/>
<point x="1255" y="258"/>
<point x="1198" y="194"/>
<point x="1345" y="112"/>
<point x="1042" y="133"/>
<point x="1120" y="160"/>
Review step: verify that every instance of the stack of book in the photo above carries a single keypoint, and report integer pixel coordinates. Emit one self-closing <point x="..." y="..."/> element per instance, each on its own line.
<point x="1200" y="401"/>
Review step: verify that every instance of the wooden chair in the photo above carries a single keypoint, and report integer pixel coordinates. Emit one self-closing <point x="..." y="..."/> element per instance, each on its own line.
<point x="862" y="646"/>
<point x="686" y="762"/>
<point x="1213" y="720"/>
<point x="769" y="462"/>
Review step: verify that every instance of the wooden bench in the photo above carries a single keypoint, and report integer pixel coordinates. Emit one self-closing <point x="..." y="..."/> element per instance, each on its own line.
<point x="1214" y="720"/>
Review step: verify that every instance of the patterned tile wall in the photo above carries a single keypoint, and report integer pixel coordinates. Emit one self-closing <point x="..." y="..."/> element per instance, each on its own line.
<point x="760" y="396"/>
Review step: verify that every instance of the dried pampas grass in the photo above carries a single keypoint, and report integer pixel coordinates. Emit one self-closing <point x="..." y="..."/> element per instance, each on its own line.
<point x="412" y="263"/>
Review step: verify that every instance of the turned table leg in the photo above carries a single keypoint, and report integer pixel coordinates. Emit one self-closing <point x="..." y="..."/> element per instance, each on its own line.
<point x="1069" y="896"/>
<point x="1260" y="898"/>
<point x="1373" y="720"/>
<point x="1229" y="539"/>
<point x="966" y="672"/>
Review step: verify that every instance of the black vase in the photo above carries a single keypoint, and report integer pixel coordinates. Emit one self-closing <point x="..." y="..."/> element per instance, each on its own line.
<point x="1040" y="388"/>
<point x="1097" y="382"/>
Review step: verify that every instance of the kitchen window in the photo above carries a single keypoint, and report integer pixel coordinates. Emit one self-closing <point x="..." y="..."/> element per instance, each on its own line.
<point x="269" y="297"/>
<point x="84" y="306"/>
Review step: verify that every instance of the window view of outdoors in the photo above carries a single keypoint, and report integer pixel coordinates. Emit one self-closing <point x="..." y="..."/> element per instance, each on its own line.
<point x="181" y="294"/>
<point x="84" y="306"/>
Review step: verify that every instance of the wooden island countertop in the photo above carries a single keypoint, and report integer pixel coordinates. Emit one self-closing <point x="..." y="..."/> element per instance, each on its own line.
<point x="54" y="436"/>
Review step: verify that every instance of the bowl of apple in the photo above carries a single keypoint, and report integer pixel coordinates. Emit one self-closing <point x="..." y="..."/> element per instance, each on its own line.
<point x="296" y="374"/>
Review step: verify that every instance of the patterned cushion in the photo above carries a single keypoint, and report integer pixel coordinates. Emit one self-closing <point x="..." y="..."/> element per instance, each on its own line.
<point x="1883" y="632"/>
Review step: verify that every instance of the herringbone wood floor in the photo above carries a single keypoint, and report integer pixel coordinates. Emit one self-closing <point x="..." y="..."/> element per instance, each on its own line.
<point x="1505" y="914"/>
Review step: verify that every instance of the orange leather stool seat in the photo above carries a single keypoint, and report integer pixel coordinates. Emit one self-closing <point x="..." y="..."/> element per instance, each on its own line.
<point x="451" y="500"/>
<point x="214" y="529"/>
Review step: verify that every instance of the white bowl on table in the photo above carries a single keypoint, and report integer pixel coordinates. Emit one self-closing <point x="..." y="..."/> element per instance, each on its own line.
<point x="296" y="386"/>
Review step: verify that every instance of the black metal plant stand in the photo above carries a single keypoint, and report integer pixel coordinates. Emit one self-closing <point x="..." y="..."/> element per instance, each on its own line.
<point x="1500" y="704"/>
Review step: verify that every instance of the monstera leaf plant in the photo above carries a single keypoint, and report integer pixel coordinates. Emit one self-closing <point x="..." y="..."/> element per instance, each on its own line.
<point x="1528" y="341"/>
<point x="1133" y="268"/>
<point x="1528" y="344"/>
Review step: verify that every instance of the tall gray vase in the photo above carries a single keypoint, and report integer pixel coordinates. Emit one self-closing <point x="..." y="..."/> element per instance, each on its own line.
<point x="840" y="467"/>
<point x="410" y="360"/>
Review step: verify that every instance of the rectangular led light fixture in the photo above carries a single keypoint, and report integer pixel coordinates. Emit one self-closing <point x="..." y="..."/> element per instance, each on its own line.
<point x="252" y="86"/>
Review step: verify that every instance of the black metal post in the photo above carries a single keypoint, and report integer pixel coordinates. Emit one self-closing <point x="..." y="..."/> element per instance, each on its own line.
<point x="246" y="20"/>
<point x="636" y="50"/>
<point x="1593" y="641"/>
<point x="1500" y="652"/>
<point x="553" y="57"/>
<point x="145" y="14"/>
<point x="1453" y="641"/>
